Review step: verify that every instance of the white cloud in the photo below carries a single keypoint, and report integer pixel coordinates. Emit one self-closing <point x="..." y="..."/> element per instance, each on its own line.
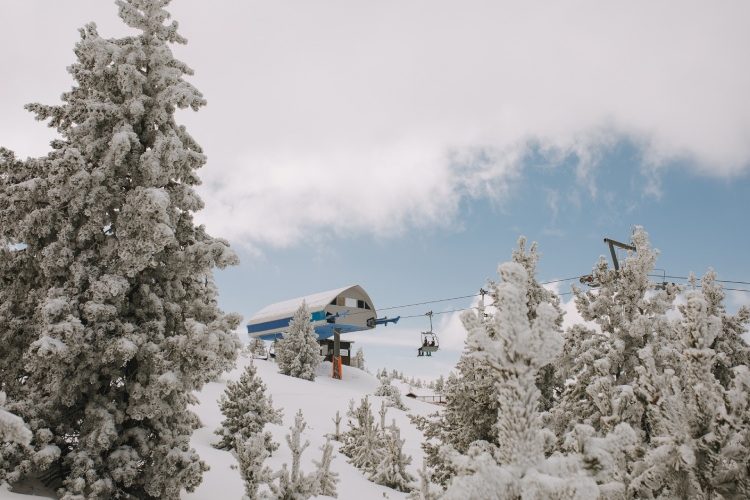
<point x="372" y="117"/>
<point x="736" y="299"/>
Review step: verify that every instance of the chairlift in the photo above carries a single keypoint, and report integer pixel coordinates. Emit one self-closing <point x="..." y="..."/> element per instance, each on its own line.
<point x="430" y="341"/>
<point x="272" y="349"/>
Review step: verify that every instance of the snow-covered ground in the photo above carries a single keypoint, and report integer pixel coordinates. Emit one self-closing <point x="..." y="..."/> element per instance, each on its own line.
<point x="319" y="401"/>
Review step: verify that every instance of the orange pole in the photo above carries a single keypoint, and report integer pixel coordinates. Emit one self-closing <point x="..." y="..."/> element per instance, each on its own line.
<point x="337" y="367"/>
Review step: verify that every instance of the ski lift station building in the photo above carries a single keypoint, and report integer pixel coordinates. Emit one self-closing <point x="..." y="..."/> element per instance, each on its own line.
<point x="343" y="310"/>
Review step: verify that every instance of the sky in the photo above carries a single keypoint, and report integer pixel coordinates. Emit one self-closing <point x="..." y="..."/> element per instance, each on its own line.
<point x="405" y="146"/>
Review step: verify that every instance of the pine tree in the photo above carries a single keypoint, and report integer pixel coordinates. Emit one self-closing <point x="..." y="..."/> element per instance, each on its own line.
<point x="515" y="347"/>
<point x="246" y="409"/>
<point x="382" y="412"/>
<point x="732" y="476"/>
<point x="251" y="454"/>
<point x="426" y="490"/>
<point x="298" y="352"/>
<point x="362" y="443"/>
<point x="391" y="393"/>
<point x="359" y="359"/>
<point x="391" y="469"/>
<point x="667" y="379"/>
<point x="325" y="478"/>
<point x="440" y="384"/>
<point x="470" y="413"/>
<point x="691" y="424"/>
<point x="295" y="484"/>
<point x="108" y="304"/>
<point x="629" y="319"/>
<point x="257" y="349"/>
<point x="337" y="422"/>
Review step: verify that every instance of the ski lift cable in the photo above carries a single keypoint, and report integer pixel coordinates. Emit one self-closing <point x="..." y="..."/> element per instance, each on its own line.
<point x="718" y="281"/>
<point x="469" y="296"/>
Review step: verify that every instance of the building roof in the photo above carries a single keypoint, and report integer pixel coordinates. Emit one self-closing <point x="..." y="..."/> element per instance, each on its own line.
<point x="286" y="308"/>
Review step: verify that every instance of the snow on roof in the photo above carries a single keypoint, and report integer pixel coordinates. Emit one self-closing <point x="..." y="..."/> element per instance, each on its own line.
<point x="286" y="308"/>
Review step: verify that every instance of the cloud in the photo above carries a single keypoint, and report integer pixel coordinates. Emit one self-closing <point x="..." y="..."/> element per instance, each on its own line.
<point x="353" y="117"/>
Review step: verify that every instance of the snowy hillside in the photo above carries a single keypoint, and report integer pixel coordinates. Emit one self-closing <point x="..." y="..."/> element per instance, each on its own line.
<point x="319" y="401"/>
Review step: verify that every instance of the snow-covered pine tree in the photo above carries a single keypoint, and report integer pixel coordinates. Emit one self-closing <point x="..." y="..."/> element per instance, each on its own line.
<point x="426" y="490"/>
<point x="470" y="413"/>
<point x="630" y="316"/>
<point x="666" y="379"/>
<point x="359" y="359"/>
<point x="246" y="409"/>
<point x="295" y="484"/>
<point x="298" y="352"/>
<point x="109" y="283"/>
<point x="391" y="393"/>
<point x="251" y="454"/>
<point x="689" y="417"/>
<point x="257" y="349"/>
<point x="515" y="347"/>
<point x="325" y="478"/>
<point x="382" y="412"/>
<point x="362" y="442"/>
<point x="440" y="384"/>
<point x="732" y="349"/>
<point x="732" y="478"/>
<point x="391" y="469"/>
<point x="337" y="422"/>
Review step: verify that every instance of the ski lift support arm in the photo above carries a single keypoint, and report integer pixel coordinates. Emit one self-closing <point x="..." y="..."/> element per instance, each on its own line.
<point x="612" y="244"/>
<point x="385" y="321"/>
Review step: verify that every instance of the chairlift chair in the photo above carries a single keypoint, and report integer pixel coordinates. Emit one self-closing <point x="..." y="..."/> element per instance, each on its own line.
<point x="430" y="340"/>
<point x="272" y="349"/>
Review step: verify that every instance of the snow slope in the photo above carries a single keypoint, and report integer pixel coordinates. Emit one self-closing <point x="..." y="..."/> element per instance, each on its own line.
<point x="319" y="401"/>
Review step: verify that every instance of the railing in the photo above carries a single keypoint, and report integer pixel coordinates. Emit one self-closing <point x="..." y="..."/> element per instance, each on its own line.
<point x="436" y="399"/>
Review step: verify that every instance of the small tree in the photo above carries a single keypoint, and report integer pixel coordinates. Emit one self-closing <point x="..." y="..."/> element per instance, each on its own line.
<point x="359" y="359"/>
<point x="298" y="352"/>
<point x="382" y="414"/>
<point x="426" y="490"/>
<point x="257" y="349"/>
<point x="325" y="478"/>
<point x="295" y="484"/>
<point x="391" y="469"/>
<point x="440" y="384"/>
<point x="390" y="392"/>
<point x="251" y="453"/>
<point x="337" y="422"/>
<point x="246" y="410"/>
<point x="362" y="443"/>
